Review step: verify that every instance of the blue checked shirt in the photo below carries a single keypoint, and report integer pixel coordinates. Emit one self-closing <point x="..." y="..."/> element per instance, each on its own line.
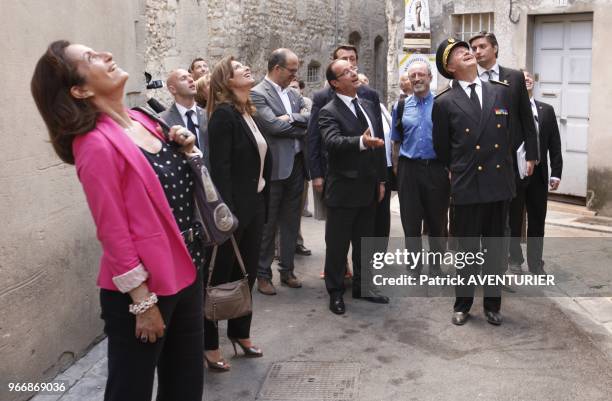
<point x="416" y="140"/>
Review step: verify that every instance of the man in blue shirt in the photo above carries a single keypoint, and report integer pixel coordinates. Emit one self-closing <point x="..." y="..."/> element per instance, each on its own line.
<point x="423" y="183"/>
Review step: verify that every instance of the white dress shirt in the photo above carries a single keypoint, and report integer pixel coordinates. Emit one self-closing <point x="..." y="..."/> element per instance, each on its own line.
<point x="386" y="120"/>
<point x="194" y="117"/>
<point x="349" y="103"/>
<point x="465" y="85"/>
<point x="283" y="93"/>
<point x="483" y="74"/>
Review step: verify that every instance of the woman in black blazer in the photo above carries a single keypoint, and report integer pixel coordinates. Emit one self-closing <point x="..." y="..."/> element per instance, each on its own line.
<point x="240" y="168"/>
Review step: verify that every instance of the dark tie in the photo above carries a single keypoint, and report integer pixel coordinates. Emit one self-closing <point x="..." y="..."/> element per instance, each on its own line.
<point x="537" y="126"/>
<point x="360" y="116"/>
<point x="191" y="126"/>
<point x="490" y="74"/>
<point x="474" y="97"/>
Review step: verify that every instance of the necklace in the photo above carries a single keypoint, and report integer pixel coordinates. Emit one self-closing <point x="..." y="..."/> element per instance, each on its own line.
<point x="128" y="126"/>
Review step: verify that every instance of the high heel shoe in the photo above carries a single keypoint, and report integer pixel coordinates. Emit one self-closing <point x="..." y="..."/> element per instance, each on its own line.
<point x="249" y="352"/>
<point x="219" y="366"/>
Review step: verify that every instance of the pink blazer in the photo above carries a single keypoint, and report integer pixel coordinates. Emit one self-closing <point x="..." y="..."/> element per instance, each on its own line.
<point x="133" y="219"/>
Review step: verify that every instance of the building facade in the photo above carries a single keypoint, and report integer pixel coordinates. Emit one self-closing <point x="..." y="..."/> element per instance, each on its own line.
<point x="564" y="43"/>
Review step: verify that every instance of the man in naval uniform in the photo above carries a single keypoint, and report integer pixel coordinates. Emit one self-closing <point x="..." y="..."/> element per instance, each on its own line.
<point x="471" y="137"/>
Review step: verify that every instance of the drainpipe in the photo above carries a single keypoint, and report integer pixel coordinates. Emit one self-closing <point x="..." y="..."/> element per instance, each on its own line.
<point x="337" y="9"/>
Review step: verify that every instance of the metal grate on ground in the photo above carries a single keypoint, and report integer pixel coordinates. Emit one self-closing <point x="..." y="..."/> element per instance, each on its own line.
<point x="311" y="381"/>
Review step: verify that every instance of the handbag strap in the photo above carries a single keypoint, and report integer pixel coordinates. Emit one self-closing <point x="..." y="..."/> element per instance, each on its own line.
<point x="213" y="259"/>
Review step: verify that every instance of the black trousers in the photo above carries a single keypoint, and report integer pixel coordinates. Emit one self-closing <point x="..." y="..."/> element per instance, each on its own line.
<point x="248" y="237"/>
<point x="424" y="191"/>
<point x="480" y="226"/>
<point x="344" y="227"/>
<point x="382" y="221"/>
<point x="178" y="355"/>
<point x="534" y="197"/>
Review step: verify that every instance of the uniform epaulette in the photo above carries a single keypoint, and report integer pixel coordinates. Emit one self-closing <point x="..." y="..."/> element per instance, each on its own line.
<point x="499" y="82"/>
<point x="442" y="92"/>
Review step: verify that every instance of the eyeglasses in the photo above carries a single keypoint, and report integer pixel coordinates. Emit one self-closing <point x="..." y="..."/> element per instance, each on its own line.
<point x="347" y="71"/>
<point x="292" y="71"/>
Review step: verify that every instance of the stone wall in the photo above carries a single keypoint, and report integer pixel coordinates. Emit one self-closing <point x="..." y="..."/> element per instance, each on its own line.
<point x="48" y="248"/>
<point x="250" y="29"/>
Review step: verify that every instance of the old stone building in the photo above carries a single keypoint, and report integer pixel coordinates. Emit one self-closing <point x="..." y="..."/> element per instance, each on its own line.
<point x="48" y="248"/>
<point x="176" y="32"/>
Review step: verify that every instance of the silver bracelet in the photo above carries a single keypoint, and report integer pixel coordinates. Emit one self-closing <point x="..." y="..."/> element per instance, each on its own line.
<point x="143" y="306"/>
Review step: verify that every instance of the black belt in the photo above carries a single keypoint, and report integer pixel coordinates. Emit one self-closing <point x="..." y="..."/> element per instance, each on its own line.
<point x="193" y="233"/>
<point x="424" y="162"/>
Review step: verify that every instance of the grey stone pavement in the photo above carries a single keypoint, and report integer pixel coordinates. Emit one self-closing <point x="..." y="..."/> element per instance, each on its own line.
<point x="547" y="348"/>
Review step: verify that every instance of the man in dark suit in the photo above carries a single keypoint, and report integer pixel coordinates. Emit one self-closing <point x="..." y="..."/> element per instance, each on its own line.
<point x="279" y="118"/>
<point x="355" y="181"/>
<point x="184" y="111"/>
<point x="318" y="159"/>
<point x="486" y="49"/>
<point x="534" y="194"/>
<point x="471" y="137"/>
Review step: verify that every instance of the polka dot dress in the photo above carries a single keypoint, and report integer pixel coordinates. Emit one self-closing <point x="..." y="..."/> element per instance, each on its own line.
<point x="176" y="178"/>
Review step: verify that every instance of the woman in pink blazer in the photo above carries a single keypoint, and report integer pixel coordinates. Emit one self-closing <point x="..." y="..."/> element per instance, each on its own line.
<point x="140" y="194"/>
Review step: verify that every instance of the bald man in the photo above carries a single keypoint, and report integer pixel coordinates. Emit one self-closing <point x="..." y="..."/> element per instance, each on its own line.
<point x="280" y="120"/>
<point x="405" y="86"/>
<point x="184" y="111"/>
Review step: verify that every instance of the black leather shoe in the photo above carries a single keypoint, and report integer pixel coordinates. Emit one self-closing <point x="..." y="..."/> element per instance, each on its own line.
<point x="538" y="271"/>
<point x="336" y="304"/>
<point x="459" y="318"/>
<point x="371" y="296"/>
<point x="302" y="250"/>
<point x="495" y="318"/>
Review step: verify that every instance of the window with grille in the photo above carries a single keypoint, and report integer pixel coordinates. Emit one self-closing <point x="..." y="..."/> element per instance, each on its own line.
<point x="314" y="72"/>
<point x="467" y="25"/>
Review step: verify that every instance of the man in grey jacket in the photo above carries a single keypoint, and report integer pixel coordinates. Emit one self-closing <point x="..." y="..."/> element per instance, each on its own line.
<point x="284" y="127"/>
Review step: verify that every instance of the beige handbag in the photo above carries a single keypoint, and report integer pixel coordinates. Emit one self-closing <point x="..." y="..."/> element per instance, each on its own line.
<point x="228" y="300"/>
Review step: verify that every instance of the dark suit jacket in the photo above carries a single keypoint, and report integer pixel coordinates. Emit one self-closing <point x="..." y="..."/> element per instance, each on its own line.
<point x="521" y="118"/>
<point x="353" y="176"/>
<point x="235" y="161"/>
<point x="317" y="159"/>
<point x="280" y="135"/>
<point x="550" y="142"/>
<point x="478" y="151"/>
<point x="173" y="117"/>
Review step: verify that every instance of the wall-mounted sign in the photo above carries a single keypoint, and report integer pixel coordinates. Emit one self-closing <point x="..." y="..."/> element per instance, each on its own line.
<point x="417" y="43"/>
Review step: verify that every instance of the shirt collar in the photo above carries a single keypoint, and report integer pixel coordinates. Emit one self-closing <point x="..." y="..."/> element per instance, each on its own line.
<point x="494" y="68"/>
<point x="346" y="99"/>
<point x="182" y="109"/>
<point x="425" y="99"/>
<point x="465" y="84"/>
<point x="276" y="86"/>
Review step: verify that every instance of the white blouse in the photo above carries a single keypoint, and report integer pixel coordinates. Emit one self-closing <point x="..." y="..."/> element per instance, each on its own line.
<point x="261" y="145"/>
